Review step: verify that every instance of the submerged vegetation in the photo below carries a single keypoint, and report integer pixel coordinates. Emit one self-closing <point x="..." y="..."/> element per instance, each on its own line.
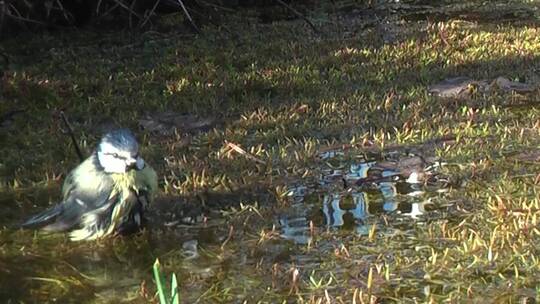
<point x="273" y="144"/>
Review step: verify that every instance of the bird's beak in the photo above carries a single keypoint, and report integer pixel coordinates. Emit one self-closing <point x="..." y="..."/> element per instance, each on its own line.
<point x="136" y="163"/>
<point x="139" y="163"/>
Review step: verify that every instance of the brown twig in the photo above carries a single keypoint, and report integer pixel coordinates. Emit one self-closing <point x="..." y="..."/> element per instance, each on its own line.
<point x="243" y="152"/>
<point x="124" y="6"/>
<point x="108" y="11"/>
<point x="98" y="6"/>
<point x="229" y="237"/>
<point x="186" y="12"/>
<point x="64" y="12"/>
<point x="19" y="17"/>
<point x="72" y="136"/>
<point x="150" y="13"/>
<point x="295" y="276"/>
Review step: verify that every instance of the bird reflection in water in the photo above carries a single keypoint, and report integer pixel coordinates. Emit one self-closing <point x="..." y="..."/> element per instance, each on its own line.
<point x="388" y="191"/>
<point x="295" y="229"/>
<point x="379" y="190"/>
<point x="337" y="215"/>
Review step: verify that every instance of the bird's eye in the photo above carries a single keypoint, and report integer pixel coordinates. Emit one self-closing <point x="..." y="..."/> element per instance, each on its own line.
<point x="115" y="155"/>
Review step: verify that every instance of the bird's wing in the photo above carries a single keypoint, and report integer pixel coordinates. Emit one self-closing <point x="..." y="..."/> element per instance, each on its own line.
<point x="43" y="218"/>
<point x="77" y="204"/>
<point x="86" y="188"/>
<point x="97" y="222"/>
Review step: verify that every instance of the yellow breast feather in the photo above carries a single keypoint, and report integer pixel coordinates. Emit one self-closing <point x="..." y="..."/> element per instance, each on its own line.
<point x="144" y="180"/>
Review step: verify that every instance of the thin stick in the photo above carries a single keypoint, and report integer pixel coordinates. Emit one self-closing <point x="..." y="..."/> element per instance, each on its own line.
<point x="98" y="6"/>
<point x="241" y="151"/>
<point x="188" y="16"/>
<point x="150" y="13"/>
<point x="123" y="5"/>
<point x="299" y="15"/>
<point x="229" y="237"/>
<point x="108" y="11"/>
<point x="19" y="17"/>
<point x="70" y="132"/>
<point x="63" y="10"/>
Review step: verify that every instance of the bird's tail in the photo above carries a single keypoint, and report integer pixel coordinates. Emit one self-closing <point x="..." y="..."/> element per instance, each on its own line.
<point x="42" y="219"/>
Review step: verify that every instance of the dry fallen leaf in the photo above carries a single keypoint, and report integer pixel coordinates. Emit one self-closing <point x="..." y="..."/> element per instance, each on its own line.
<point x="167" y="123"/>
<point x="457" y="87"/>
<point x="506" y="85"/>
<point x="461" y="87"/>
<point x="528" y="156"/>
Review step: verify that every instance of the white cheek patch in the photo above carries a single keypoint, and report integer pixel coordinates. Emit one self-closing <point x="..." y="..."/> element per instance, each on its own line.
<point x="111" y="164"/>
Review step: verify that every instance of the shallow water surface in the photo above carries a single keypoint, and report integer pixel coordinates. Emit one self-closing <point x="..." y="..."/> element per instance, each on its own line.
<point x="353" y="208"/>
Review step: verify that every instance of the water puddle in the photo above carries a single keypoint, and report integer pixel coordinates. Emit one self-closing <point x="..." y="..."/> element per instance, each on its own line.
<point x="355" y="195"/>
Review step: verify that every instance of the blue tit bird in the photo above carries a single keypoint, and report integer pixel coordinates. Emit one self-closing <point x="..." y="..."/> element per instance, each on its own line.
<point x="105" y="195"/>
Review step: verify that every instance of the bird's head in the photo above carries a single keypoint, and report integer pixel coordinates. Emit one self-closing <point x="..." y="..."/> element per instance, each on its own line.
<point x="118" y="152"/>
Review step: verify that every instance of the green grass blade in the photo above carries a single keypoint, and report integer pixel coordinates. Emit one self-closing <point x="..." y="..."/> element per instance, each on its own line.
<point x="159" y="282"/>
<point x="175" y="297"/>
